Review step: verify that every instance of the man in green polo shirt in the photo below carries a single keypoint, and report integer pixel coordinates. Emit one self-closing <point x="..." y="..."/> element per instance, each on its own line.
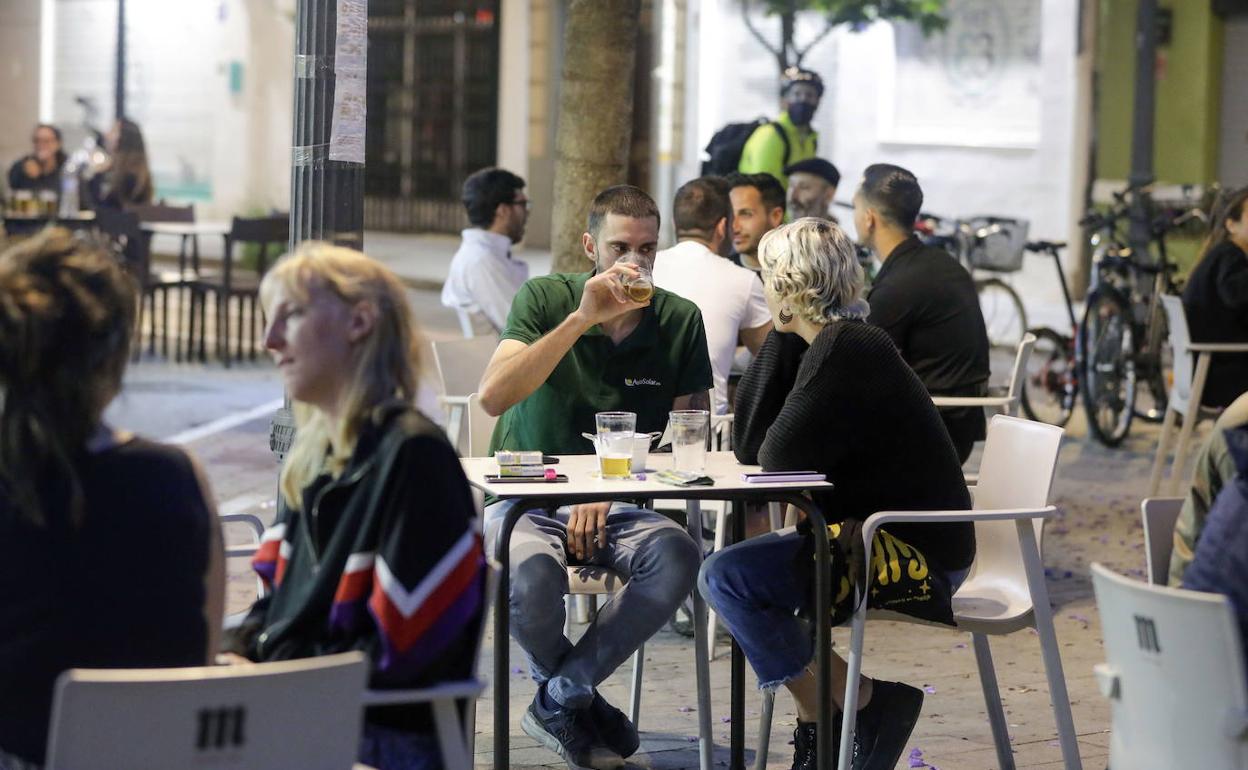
<point x="576" y="344"/>
<point x="767" y="151"/>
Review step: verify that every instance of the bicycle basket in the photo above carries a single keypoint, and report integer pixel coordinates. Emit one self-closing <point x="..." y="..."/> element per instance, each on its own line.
<point x="995" y="244"/>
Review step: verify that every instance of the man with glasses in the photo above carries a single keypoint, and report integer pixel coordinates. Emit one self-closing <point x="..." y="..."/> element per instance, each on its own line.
<point x="484" y="278"/>
<point x="40" y="170"/>
<point x="789" y="138"/>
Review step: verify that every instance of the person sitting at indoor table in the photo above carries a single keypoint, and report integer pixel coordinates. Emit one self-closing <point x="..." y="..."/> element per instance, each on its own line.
<point x="125" y="179"/>
<point x="110" y="550"/>
<point x="375" y="546"/>
<point x="40" y="171"/>
<point x="828" y="392"/>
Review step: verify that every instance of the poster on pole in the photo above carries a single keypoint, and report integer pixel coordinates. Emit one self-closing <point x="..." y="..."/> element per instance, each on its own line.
<point x="974" y="84"/>
<point x="346" y="139"/>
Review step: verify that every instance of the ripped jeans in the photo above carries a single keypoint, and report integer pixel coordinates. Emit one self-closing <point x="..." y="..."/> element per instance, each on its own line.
<point x="756" y="589"/>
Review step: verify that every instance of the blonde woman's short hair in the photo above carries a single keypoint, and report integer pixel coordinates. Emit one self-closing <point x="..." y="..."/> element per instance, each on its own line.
<point x="386" y="362"/>
<point x="812" y="264"/>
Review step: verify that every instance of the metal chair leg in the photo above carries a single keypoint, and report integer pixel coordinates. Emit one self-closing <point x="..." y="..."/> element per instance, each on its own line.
<point x="764" y="730"/>
<point x="992" y="701"/>
<point x="634" y="708"/>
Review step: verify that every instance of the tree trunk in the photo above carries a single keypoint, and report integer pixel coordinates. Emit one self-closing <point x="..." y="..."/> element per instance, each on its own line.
<point x="595" y="117"/>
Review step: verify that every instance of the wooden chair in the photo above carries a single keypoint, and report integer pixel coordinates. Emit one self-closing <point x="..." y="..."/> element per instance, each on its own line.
<point x="271" y="235"/>
<point x="180" y="279"/>
<point x="123" y="230"/>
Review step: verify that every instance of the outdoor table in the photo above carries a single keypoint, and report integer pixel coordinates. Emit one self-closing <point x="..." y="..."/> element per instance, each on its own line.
<point x="584" y="486"/>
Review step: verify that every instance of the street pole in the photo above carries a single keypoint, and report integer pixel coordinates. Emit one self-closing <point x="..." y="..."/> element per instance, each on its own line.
<point x="327" y="152"/>
<point x="119" y="84"/>
<point x="1142" y="127"/>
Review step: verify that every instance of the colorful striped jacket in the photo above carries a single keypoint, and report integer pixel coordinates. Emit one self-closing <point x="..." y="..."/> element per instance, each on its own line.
<point x="386" y="558"/>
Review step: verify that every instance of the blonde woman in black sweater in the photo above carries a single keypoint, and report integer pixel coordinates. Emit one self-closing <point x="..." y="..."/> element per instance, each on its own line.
<point x="827" y="392"/>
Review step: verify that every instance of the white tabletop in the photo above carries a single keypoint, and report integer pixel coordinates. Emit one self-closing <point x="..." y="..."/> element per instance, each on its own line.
<point x="581" y="471"/>
<point x="186" y="228"/>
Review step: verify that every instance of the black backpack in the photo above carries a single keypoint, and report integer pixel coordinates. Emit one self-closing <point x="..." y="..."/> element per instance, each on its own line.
<point x="724" y="150"/>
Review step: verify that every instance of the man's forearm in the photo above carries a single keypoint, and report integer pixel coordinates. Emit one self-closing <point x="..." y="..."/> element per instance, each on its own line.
<point x="509" y="381"/>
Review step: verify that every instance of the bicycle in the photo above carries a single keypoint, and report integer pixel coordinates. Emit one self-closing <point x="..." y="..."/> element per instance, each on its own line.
<point x="986" y="243"/>
<point x="1051" y="382"/>
<point x="1120" y="343"/>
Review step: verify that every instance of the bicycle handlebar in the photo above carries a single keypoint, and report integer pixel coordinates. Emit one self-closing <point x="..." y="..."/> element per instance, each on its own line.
<point x="1051" y="247"/>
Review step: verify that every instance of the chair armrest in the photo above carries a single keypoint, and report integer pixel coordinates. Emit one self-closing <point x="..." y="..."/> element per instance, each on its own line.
<point x="1218" y="347"/>
<point x="877" y="520"/>
<point x="951" y="401"/>
<point x="455" y="400"/>
<point x="239" y="551"/>
<point x="469" y="688"/>
<point x="250" y="520"/>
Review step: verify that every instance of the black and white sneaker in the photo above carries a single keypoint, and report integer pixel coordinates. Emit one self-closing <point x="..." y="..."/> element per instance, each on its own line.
<point x="806" y="740"/>
<point x="614" y="728"/>
<point x="570" y="734"/>
<point x="885" y="724"/>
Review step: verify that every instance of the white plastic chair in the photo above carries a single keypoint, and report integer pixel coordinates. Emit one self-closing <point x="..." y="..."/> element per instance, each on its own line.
<point x="460" y="365"/>
<point x="1174" y="676"/>
<point x="209" y="717"/>
<point x="456" y="737"/>
<point x="1187" y="389"/>
<point x="1007" y="404"/>
<point x="588" y="582"/>
<point x="1159" y="515"/>
<point x="1005" y="590"/>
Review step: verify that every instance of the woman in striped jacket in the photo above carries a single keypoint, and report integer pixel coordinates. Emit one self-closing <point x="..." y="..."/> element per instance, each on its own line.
<point x="375" y="546"/>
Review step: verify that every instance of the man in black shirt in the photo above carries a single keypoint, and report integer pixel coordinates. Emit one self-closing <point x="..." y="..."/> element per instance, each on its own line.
<point x="924" y="299"/>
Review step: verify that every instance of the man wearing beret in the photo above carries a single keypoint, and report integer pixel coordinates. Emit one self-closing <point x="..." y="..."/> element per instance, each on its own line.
<point x="812" y="187"/>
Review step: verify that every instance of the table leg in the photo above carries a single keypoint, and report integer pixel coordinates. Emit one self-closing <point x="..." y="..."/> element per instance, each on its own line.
<point x="701" y="663"/>
<point x="502" y="636"/>
<point x="736" y="731"/>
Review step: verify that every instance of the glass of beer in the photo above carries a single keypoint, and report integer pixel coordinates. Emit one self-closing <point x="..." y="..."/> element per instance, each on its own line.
<point x="640" y="288"/>
<point x="615" y="443"/>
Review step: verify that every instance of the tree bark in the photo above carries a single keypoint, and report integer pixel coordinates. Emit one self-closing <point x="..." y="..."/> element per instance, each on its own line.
<point x="594" y="133"/>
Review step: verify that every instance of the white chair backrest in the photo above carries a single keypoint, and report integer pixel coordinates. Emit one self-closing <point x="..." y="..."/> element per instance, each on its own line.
<point x="1174" y="676"/>
<point x="1019" y="462"/>
<point x="1180" y="341"/>
<point x="291" y="714"/>
<point x="462" y="362"/>
<point x="480" y="427"/>
<point x="1017" y="374"/>
<point x="1159" y="514"/>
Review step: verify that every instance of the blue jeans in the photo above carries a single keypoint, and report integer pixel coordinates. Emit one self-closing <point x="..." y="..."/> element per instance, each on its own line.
<point x="755" y="587"/>
<point x="651" y="552"/>
<point x="385" y="748"/>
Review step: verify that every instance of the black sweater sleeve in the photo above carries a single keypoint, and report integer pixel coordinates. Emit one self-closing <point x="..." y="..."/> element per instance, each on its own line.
<point x="762" y="392"/>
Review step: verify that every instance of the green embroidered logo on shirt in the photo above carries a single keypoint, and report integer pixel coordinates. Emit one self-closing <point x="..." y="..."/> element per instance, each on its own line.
<point x="630" y="382"/>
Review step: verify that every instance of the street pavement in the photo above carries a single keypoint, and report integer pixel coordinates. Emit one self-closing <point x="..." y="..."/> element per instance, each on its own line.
<point x="221" y="416"/>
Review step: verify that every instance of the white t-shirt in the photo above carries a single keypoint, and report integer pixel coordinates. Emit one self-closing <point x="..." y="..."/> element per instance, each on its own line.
<point x="729" y="296"/>
<point x="484" y="278"/>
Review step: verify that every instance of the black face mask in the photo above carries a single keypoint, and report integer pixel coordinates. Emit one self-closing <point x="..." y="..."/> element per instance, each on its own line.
<point x="801" y="113"/>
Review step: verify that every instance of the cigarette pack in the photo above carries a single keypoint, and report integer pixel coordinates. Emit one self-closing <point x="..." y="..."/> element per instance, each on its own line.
<point x="504" y="457"/>
<point x="521" y="470"/>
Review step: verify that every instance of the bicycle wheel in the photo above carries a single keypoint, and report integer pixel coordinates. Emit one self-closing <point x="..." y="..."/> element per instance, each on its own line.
<point x="1107" y="374"/>
<point x="1049" y="384"/>
<point x="1157" y="371"/>
<point x="1004" y="316"/>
